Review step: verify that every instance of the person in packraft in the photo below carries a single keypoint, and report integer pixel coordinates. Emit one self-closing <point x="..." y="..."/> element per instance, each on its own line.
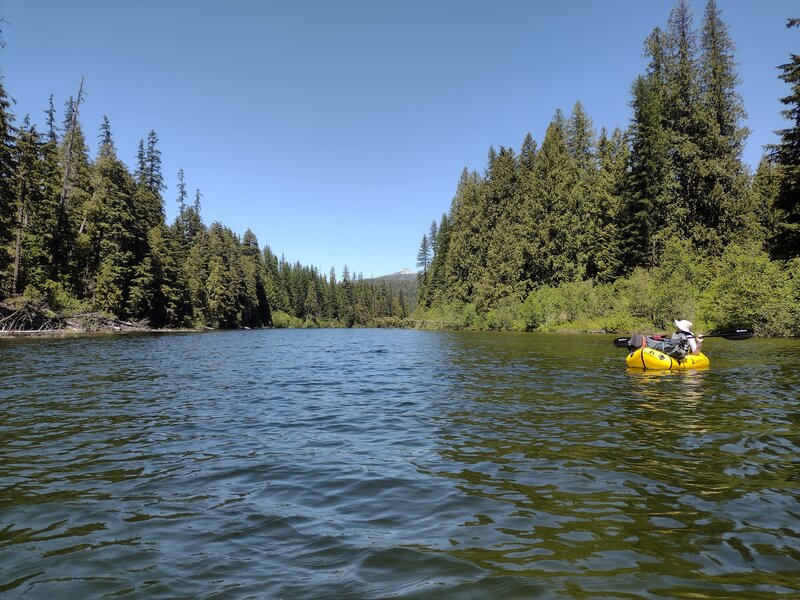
<point x="684" y="330"/>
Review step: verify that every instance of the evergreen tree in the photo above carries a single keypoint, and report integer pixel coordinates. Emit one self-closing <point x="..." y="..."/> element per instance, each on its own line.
<point x="607" y="196"/>
<point x="332" y="301"/>
<point x="684" y="118"/>
<point x="182" y="195"/>
<point x="154" y="179"/>
<point x="52" y="135"/>
<point x="7" y="202"/>
<point x="256" y="310"/>
<point x="109" y="227"/>
<point x="311" y="305"/>
<point x="106" y="140"/>
<point x="436" y="272"/>
<point x="527" y="155"/>
<point x="347" y="309"/>
<point x="548" y="222"/>
<point x="70" y="243"/>
<point x="424" y="257"/>
<point x="141" y="165"/>
<point x="432" y="235"/>
<point x="499" y="276"/>
<point x="582" y="210"/>
<point x="168" y="300"/>
<point x="36" y="207"/>
<point x="652" y="211"/>
<point x="786" y="242"/>
<point x="726" y="212"/>
<point x="764" y="190"/>
<point x="467" y="249"/>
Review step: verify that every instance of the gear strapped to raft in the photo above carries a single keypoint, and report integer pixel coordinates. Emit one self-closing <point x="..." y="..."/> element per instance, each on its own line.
<point x="675" y="347"/>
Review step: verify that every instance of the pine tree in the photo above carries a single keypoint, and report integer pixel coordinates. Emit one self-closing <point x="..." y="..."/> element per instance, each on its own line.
<point x="106" y="145"/>
<point x="347" y="309"/>
<point x="433" y="233"/>
<point x="109" y="224"/>
<point x="141" y="165"/>
<point x="424" y="257"/>
<point x="154" y="178"/>
<point x="436" y="272"/>
<point x="332" y="301"/>
<point x="786" y="242"/>
<point x="726" y="211"/>
<point x="467" y="250"/>
<point x="35" y="211"/>
<point x="7" y="203"/>
<point x="652" y="211"/>
<point x="607" y="196"/>
<point x="168" y="299"/>
<point x="684" y="118"/>
<point x="256" y="310"/>
<point x="582" y="211"/>
<point x="182" y="195"/>
<point x="527" y="155"/>
<point x="75" y="200"/>
<point x="548" y="222"/>
<point x="764" y="191"/>
<point x="52" y="135"/>
<point x="500" y="275"/>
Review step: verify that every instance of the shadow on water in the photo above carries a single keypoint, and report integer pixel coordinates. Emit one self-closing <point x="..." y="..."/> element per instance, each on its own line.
<point x="375" y="463"/>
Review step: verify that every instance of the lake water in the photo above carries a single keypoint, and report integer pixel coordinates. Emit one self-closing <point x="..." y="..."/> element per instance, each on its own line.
<point x="391" y="463"/>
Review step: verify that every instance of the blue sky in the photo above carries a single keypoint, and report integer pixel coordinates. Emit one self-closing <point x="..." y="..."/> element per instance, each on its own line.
<point x="337" y="131"/>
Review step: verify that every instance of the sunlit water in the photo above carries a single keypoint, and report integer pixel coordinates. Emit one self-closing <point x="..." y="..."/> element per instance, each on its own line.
<point x="381" y="463"/>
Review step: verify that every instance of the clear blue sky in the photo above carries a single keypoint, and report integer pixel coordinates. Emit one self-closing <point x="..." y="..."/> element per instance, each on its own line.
<point x="337" y="131"/>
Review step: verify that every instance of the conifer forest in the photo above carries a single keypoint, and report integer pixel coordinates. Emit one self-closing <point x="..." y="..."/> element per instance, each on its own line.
<point x="619" y="230"/>
<point x="582" y="230"/>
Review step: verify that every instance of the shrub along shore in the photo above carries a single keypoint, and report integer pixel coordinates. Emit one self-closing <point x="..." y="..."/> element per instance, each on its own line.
<point x="741" y="288"/>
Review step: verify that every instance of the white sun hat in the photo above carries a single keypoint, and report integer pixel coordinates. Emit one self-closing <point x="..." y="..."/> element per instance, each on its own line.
<point x="683" y="325"/>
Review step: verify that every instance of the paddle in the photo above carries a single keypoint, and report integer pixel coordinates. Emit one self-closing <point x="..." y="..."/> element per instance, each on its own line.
<point x="736" y="335"/>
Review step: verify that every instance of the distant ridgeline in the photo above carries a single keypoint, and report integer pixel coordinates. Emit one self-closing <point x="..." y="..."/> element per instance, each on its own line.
<point x="82" y="234"/>
<point x="631" y="229"/>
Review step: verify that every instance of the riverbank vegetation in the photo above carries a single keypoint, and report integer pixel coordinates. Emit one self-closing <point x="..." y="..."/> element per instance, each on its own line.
<point x="627" y="230"/>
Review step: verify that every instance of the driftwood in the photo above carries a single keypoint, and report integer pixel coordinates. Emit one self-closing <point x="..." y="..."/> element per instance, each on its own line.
<point x="95" y="321"/>
<point x="29" y="317"/>
<point x="34" y="318"/>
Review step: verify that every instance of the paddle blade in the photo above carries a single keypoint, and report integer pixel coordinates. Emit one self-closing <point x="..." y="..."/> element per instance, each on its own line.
<point x="621" y="342"/>
<point x="739" y="334"/>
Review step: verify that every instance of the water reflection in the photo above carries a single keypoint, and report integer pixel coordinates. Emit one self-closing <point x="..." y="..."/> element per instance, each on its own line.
<point x="646" y="469"/>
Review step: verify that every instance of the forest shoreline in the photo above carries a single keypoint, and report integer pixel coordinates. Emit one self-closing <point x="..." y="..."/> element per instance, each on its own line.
<point x="24" y="318"/>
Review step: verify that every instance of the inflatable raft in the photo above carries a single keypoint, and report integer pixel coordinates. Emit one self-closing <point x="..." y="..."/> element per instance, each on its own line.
<point x="648" y="358"/>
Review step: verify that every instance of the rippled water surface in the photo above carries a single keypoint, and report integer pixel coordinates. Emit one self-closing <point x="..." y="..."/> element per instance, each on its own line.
<point x="382" y="463"/>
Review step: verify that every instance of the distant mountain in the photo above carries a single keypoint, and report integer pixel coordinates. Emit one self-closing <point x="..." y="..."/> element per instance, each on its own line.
<point x="402" y="272"/>
<point x="401" y="275"/>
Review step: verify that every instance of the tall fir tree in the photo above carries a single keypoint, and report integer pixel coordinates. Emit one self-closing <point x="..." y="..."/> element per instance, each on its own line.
<point x="727" y="212"/>
<point x="786" y="241"/>
<point x="652" y="211"/>
<point x="154" y="177"/>
<point x="549" y="222"/>
<point x="607" y="195"/>
<point x="467" y="249"/>
<point x="499" y="277"/>
<point x="69" y="252"/>
<point x="7" y="202"/>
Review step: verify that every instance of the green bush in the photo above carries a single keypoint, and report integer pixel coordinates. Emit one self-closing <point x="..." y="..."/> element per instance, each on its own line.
<point x="60" y="300"/>
<point x="752" y="291"/>
<point x="281" y="319"/>
<point x="742" y="288"/>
